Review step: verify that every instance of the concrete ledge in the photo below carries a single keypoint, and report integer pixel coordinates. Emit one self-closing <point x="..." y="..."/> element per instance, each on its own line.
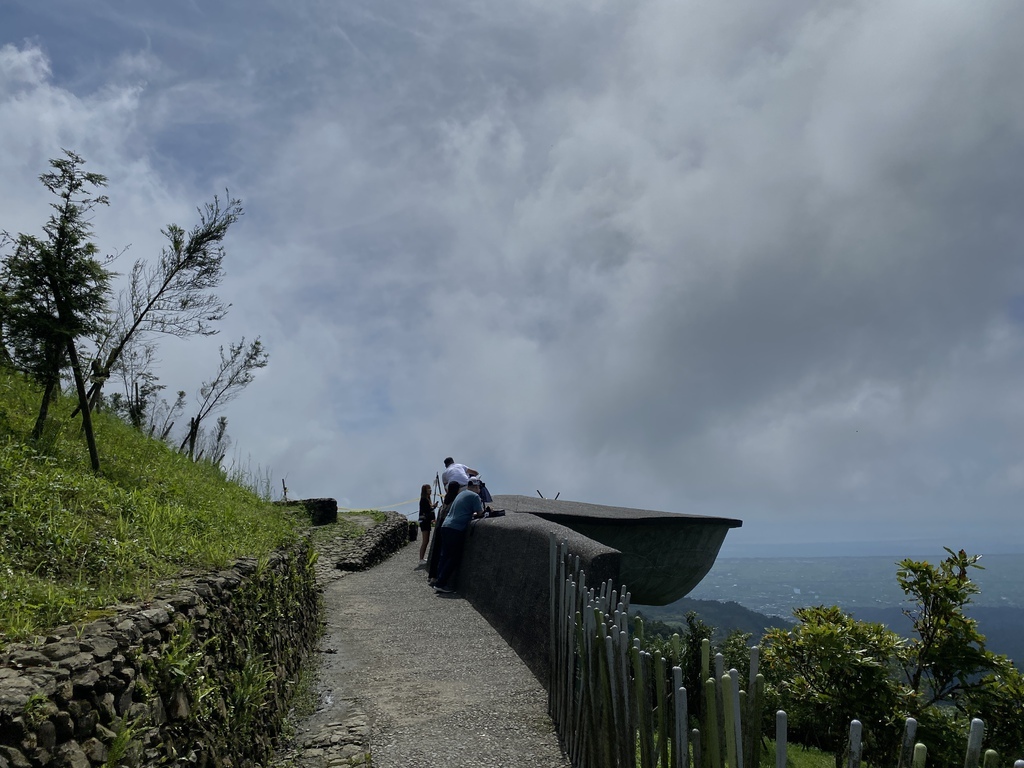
<point x="504" y="574"/>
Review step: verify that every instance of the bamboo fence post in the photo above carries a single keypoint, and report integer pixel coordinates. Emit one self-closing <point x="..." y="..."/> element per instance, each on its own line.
<point x="907" y="747"/>
<point x="737" y="716"/>
<point x="855" y="744"/>
<point x="920" y="756"/>
<point x="780" y="739"/>
<point x="568" y="672"/>
<point x="991" y="759"/>
<point x="662" y="697"/>
<point x="713" y="755"/>
<point x="755" y="718"/>
<point x="552" y="639"/>
<point x="1018" y="764"/>
<point x="616" y="729"/>
<point x="680" y="749"/>
<point x="973" y="756"/>
<point x="628" y="717"/>
<point x="697" y="749"/>
<point x="723" y="735"/>
<point x="752" y="712"/>
<point x="577" y="690"/>
<point x="641" y="719"/>
<point x="726" y="691"/>
<point x="650" y="724"/>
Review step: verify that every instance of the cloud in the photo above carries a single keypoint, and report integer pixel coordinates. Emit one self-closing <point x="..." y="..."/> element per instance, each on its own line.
<point x="757" y="260"/>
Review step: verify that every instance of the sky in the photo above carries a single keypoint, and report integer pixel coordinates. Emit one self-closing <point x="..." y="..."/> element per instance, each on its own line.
<point x="754" y="260"/>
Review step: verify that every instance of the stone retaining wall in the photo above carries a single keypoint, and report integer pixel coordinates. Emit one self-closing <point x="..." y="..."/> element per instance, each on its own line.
<point x="198" y="678"/>
<point x="505" y="571"/>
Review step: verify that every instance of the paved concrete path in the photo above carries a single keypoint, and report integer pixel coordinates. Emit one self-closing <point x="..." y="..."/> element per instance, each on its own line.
<point x="427" y="678"/>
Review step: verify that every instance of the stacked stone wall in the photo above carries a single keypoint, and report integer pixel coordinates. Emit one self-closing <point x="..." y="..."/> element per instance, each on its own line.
<point x="199" y="677"/>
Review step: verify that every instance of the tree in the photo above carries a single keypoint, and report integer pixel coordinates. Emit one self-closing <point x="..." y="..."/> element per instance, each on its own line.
<point x="948" y="657"/>
<point x="139" y="384"/>
<point x="237" y="370"/>
<point x="56" y="290"/>
<point x="832" y="668"/>
<point x="171" y="297"/>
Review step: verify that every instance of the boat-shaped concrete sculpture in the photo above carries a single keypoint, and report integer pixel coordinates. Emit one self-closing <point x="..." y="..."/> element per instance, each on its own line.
<point x="664" y="554"/>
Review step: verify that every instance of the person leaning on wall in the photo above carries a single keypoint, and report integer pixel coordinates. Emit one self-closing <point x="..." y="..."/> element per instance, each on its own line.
<point x="466" y="506"/>
<point x="435" y="550"/>
<point x="458" y="473"/>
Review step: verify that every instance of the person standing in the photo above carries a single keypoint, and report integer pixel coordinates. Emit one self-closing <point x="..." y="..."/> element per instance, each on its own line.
<point x="466" y="506"/>
<point x="426" y="520"/>
<point x="457" y="473"/>
<point x="435" y="551"/>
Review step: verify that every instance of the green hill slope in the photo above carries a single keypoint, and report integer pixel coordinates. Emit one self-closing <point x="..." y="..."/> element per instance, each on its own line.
<point x="72" y="542"/>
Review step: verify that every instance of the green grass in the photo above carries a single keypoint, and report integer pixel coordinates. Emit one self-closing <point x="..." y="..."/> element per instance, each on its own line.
<point x="72" y="542"/>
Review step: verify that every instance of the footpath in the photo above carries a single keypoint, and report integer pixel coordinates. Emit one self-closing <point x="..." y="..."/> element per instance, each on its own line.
<point x="411" y="679"/>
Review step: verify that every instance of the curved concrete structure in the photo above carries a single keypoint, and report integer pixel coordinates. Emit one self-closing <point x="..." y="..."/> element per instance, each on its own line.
<point x="664" y="555"/>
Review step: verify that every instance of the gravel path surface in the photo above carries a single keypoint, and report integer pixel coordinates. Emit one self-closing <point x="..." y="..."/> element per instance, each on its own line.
<point x="419" y="680"/>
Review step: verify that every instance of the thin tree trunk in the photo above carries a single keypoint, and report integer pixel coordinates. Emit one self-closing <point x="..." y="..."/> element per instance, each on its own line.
<point x="44" y="410"/>
<point x="83" y="404"/>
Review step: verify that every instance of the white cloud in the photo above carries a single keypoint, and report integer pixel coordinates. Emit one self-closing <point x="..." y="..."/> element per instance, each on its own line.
<point x="758" y="260"/>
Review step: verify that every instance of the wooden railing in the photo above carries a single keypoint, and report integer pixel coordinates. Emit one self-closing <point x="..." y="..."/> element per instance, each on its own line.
<point x="615" y="705"/>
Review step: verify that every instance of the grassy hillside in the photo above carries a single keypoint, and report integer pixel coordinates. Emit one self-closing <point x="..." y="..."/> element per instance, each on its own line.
<point x="72" y="542"/>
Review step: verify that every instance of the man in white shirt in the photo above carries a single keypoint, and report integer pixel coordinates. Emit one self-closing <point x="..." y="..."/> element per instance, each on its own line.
<point x="458" y="473"/>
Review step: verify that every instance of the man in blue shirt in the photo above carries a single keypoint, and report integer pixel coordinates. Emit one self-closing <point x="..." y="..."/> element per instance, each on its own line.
<point x="466" y="506"/>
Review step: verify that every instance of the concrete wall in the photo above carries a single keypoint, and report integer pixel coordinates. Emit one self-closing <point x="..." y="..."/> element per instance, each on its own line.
<point x="505" y="575"/>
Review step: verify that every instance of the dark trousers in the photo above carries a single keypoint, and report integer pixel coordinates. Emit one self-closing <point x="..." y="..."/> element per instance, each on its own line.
<point x="452" y="543"/>
<point x="434" y="559"/>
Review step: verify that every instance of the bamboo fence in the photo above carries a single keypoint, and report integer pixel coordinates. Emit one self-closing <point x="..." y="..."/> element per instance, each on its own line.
<point x="615" y="705"/>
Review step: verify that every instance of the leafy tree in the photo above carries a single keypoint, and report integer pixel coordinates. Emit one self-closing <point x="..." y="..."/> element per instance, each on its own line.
<point x="830" y="669"/>
<point x="171" y="297"/>
<point x="948" y="656"/>
<point x="237" y="370"/>
<point x="56" y="290"/>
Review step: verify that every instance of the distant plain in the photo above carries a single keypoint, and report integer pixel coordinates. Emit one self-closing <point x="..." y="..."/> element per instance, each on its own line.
<point x="863" y="586"/>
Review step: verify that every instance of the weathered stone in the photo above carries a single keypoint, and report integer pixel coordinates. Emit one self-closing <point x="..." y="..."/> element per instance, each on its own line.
<point x="177" y="707"/>
<point x="95" y="750"/>
<point x="65" y="726"/>
<point x="105" y="707"/>
<point x="85" y="726"/>
<point x="85" y="682"/>
<point x="62" y="649"/>
<point x="104" y="734"/>
<point x="102" y="646"/>
<point x="157" y="617"/>
<point x="78" y="662"/>
<point x="70" y="755"/>
<point x="24" y="659"/>
<point x="14" y="757"/>
<point x="159" y="714"/>
<point x="46" y="735"/>
<point x="124" y="699"/>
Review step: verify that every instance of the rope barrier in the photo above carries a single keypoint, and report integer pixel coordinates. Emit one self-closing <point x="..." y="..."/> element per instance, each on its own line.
<point x="389" y="506"/>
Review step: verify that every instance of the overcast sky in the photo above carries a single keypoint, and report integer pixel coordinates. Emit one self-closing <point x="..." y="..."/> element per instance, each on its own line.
<point x="749" y="259"/>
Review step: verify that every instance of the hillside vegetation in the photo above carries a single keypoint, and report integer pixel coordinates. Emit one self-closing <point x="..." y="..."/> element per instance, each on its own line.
<point x="73" y="541"/>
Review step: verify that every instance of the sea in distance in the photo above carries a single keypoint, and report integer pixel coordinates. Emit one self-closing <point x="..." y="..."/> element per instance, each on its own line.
<point x="775" y="586"/>
<point x="866" y="587"/>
